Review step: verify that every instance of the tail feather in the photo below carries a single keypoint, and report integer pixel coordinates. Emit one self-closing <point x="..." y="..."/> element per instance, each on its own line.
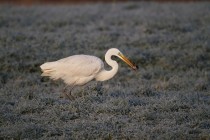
<point x="49" y="69"/>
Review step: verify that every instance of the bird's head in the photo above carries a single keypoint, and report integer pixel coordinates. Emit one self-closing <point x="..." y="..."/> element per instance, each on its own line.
<point x="117" y="53"/>
<point x="127" y="61"/>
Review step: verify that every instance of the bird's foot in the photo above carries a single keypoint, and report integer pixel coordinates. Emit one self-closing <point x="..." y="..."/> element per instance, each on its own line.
<point x="67" y="96"/>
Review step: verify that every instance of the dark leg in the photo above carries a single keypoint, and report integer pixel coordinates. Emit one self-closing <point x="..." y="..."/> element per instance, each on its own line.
<point x="67" y="96"/>
<point x="70" y="97"/>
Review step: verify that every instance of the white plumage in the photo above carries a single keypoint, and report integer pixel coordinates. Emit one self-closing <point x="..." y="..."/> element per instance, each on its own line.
<point x="80" y="69"/>
<point x="77" y="68"/>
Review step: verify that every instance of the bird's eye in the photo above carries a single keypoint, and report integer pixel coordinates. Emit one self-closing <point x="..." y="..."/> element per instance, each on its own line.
<point x="113" y="57"/>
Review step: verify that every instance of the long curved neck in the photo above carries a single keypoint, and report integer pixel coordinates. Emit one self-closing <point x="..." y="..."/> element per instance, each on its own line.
<point x="108" y="74"/>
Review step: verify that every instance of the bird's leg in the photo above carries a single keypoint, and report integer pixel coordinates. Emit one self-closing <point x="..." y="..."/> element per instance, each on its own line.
<point x="64" y="89"/>
<point x="68" y="96"/>
<point x="63" y="94"/>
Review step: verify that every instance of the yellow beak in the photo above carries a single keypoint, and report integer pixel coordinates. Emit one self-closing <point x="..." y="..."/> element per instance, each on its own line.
<point x="127" y="61"/>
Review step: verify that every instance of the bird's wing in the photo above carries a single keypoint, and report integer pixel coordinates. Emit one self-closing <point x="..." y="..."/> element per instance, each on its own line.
<point x="79" y="66"/>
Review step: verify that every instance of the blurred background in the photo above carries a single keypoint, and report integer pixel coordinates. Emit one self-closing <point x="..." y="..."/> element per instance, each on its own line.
<point x="30" y="2"/>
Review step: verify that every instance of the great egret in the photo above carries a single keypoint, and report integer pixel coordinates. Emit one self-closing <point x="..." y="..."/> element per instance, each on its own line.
<point x="80" y="69"/>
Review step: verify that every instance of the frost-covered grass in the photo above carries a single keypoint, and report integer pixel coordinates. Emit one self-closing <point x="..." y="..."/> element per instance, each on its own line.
<point x="167" y="98"/>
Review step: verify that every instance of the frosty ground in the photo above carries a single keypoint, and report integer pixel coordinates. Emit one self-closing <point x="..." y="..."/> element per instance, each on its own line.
<point x="167" y="98"/>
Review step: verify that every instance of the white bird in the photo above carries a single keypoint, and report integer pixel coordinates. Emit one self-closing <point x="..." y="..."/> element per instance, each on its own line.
<point x="80" y="69"/>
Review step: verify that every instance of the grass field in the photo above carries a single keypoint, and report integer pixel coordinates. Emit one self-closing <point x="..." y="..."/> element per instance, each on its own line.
<point x="167" y="98"/>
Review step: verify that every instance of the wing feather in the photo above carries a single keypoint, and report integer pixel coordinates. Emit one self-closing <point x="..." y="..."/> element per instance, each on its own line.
<point x="73" y="68"/>
<point x="79" y="65"/>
